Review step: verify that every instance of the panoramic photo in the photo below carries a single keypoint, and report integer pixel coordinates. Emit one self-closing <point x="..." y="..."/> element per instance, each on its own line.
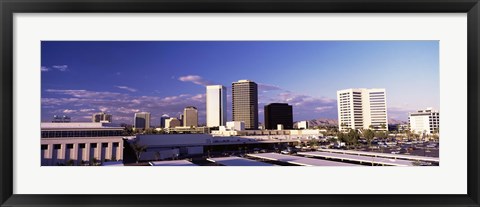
<point x="240" y="103"/>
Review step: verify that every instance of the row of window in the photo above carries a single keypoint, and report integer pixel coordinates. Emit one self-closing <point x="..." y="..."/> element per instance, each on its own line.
<point x="97" y="133"/>
<point x="81" y="146"/>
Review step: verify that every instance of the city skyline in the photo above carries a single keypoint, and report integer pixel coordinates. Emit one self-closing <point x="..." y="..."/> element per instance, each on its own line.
<point x="122" y="78"/>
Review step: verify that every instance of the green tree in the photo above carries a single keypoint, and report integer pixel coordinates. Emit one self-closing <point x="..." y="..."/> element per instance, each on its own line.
<point x="383" y="126"/>
<point x="342" y="137"/>
<point x="408" y="133"/>
<point x="352" y="137"/>
<point x="313" y="142"/>
<point x="368" y="135"/>
<point x="71" y="162"/>
<point x="381" y="134"/>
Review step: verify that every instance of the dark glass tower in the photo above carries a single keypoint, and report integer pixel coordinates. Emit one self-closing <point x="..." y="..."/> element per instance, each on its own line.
<point x="278" y="113"/>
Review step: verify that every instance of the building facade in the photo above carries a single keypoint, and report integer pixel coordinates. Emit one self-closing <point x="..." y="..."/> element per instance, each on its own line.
<point x="362" y="109"/>
<point x="102" y="117"/>
<point x="172" y="122"/>
<point x="60" y="119"/>
<point x="162" y="120"/>
<point x="278" y="113"/>
<point x="216" y="105"/>
<point x="80" y="143"/>
<point x="302" y="125"/>
<point x="424" y="121"/>
<point x="245" y="103"/>
<point x="190" y="116"/>
<point x="142" y="120"/>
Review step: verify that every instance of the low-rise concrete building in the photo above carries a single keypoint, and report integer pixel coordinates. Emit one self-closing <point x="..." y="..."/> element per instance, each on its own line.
<point x="80" y="143"/>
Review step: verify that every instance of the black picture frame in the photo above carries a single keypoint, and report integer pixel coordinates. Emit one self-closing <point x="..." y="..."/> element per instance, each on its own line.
<point x="10" y="7"/>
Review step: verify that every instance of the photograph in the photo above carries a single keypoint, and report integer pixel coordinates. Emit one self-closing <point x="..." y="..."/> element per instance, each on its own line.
<point x="240" y="103"/>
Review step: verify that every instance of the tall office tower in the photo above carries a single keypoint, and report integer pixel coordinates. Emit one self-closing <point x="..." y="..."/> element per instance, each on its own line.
<point x="278" y="113"/>
<point x="424" y="121"/>
<point x="142" y="120"/>
<point x="102" y="117"/>
<point x="162" y="120"/>
<point x="216" y="105"/>
<point x="362" y="109"/>
<point x="245" y="103"/>
<point x="190" y="116"/>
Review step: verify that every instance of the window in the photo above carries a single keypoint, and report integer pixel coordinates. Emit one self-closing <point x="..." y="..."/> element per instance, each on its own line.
<point x="44" y="147"/>
<point x="93" y="145"/>
<point x="69" y="146"/>
<point x="57" y="146"/>
<point x="104" y="145"/>
<point x="115" y="144"/>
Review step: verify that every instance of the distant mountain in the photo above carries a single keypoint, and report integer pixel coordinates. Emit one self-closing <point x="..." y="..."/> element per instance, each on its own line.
<point x="334" y="122"/>
<point x="320" y="122"/>
<point x="395" y="122"/>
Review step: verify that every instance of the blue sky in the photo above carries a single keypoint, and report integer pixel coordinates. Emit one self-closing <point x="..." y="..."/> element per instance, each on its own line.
<point x="162" y="77"/>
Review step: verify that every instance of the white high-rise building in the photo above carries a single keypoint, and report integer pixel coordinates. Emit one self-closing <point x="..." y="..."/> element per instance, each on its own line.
<point x="216" y="105"/>
<point x="361" y="108"/>
<point x="424" y="121"/>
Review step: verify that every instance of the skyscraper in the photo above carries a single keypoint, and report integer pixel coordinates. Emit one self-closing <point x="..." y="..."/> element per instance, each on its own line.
<point x="216" y="105"/>
<point x="245" y="103"/>
<point x="162" y="120"/>
<point x="362" y="109"/>
<point x="190" y="116"/>
<point x="278" y="113"/>
<point x="102" y="117"/>
<point x="142" y="120"/>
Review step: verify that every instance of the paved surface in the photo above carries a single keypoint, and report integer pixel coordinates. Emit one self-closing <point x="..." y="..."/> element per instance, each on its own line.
<point x="359" y="158"/>
<point x="299" y="160"/>
<point x="237" y="161"/>
<point x="172" y="163"/>
<point x="378" y="154"/>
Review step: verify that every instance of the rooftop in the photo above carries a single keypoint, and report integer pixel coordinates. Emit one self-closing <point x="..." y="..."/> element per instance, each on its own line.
<point x="79" y="125"/>
<point x="237" y="161"/>
<point x="299" y="160"/>
<point x="359" y="158"/>
<point x="172" y="163"/>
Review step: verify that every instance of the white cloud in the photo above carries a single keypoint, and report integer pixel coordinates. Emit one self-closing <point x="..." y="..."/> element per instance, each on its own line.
<point x="127" y="88"/>
<point x="323" y="108"/>
<point x="195" y="79"/>
<point x="45" y="69"/>
<point x="103" y="109"/>
<point x="61" y="68"/>
<point x="267" y="87"/>
<point x="117" y="104"/>
<point x="87" y="94"/>
<point x="69" y="111"/>
<point x="86" y="110"/>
